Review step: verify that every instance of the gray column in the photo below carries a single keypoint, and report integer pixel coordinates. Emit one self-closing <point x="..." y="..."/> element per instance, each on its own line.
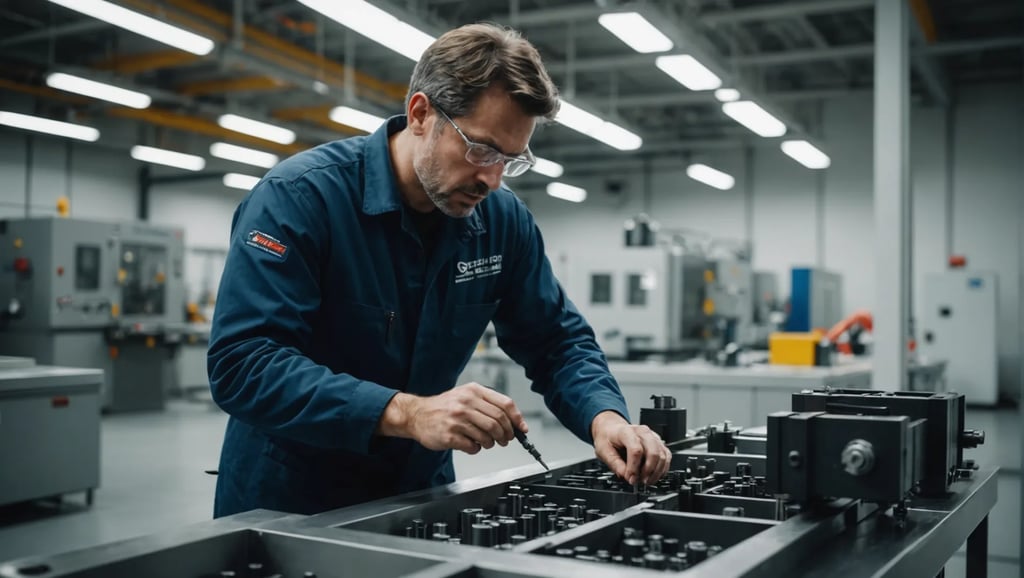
<point x="892" y="185"/>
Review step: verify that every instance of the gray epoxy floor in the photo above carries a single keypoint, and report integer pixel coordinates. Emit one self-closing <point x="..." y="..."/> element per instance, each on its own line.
<point x="153" y="480"/>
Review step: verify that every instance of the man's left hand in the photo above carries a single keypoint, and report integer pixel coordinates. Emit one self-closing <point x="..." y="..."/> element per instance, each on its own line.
<point x="647" y="458"/>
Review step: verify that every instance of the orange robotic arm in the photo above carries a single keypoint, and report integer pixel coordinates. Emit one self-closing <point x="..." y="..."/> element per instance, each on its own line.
<point x="861" y="318"/>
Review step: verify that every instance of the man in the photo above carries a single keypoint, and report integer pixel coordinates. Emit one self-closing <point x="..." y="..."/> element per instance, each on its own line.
<point x="361" y="275"/>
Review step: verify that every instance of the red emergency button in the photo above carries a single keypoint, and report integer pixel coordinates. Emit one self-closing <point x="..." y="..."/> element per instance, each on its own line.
<point x="22" y="265"/>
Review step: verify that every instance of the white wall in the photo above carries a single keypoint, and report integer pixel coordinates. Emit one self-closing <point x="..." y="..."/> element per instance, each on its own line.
<point x="985" y="174"/>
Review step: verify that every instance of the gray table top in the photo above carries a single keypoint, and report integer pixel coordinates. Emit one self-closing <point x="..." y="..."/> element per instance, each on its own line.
<point x="44" y="378"/>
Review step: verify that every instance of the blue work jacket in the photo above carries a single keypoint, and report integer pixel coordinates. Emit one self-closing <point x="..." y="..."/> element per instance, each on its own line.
<point x="329" y="306"/>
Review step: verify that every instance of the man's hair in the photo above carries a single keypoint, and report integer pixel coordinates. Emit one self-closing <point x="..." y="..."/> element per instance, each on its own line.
<point x="464" y="62"/>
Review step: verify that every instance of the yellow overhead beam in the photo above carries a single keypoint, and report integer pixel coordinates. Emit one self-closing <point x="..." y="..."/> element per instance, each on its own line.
<point x="136" y="63"/>
<point x="314" y="114"/>
<point x="170" y="119"/>
<point x="247" y="84"/>
<point x="316" y="65"/>
<point x="165" y="118"/>
<point x="42" y="91"/>
<point x="923" y="12"/>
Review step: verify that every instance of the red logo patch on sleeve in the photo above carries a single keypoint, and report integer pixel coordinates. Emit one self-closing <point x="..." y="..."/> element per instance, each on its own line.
<point x="265" y="242"/>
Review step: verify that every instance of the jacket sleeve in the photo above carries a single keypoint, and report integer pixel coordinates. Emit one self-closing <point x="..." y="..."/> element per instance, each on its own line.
<point x="540" y="328"/>
<point x="263" y="323"/>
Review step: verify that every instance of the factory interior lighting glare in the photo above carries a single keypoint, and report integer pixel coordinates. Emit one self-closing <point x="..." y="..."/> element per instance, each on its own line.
<point x="548" y="168"/>
<point x="685" y="70"/>
<point x="567" y="192"/>
<point x="755" y="118"/>
<point x="710" y="176"/>
<point x="635" y="30"/>
<point x="806" y="154"/>
<point x="141" y="24"/>
<point x="597" y="128"/>
<point x="256" y="128"/>
<point x="364" y="121"/>
<point x="240" y="181"/>
<point x="45" y="125"/>
<point x="168" y="158"/>
<point x="230" y="152"/>
<point x="99" y="90"/>
<point x="375" y="24"/>
<point x="727" y="94"/>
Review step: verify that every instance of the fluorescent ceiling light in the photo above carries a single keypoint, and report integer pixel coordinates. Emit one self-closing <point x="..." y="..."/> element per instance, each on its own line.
<point x="45" y="125"/>
<point x="752" y="116"/>
<point x="91" y="88"/>
<point x="256" y="128"/>
<point x="240" y="181"/>
<point x="710" y="177"/>
<point x="141" y="24"/>
<point x="727" y="94"/>
<point x="364" y="121"/>
<point x="548" y="168"/>
<point x="685" y="70"/>
<point x="636" y="31"/>
<point x="168" y="158"/>
<point x="230" y="152"/>
<point x="375" y="24"/>
<point x="806" y="154"/>
<point x="609" y="133"/>
<point x="567" y="192"/>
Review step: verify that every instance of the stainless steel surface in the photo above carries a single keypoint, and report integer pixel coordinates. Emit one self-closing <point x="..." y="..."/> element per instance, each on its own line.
<point x="49" y="432"/>
<point x="846" y="538"/>
<point x="8" y="362"/>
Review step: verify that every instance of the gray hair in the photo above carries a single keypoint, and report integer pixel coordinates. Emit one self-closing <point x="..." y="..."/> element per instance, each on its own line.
<point x="464" y="62"/>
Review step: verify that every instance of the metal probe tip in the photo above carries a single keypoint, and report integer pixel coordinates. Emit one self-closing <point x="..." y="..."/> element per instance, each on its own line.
<point x="529" y="447"/>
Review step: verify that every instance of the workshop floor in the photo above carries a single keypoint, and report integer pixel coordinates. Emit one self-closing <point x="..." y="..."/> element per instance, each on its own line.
<point x="153" y="480"/>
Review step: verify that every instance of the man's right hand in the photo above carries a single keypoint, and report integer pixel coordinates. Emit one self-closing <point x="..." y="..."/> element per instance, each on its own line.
<point x="466" y="418"/>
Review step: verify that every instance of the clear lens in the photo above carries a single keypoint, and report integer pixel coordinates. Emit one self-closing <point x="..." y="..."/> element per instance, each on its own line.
<point x="483" y="155"/>
<point x="516" y="168"/>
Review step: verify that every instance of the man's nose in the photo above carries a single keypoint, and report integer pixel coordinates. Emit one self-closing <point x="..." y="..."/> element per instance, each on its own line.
<point x="491" y="175"/>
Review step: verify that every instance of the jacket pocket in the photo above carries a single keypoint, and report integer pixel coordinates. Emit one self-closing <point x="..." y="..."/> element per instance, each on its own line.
<point x="369" y="342"/>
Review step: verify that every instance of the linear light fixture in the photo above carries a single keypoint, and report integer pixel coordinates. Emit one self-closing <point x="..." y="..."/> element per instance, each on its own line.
<point x="168" y="158"/>
<point x="230" y="152"/>
<point x="240" y="181"/>
<point x="755" y="118"/>
<point x="141" y="24"/>
<point x="45" y="125"/>
<point x="375" y="24"/>
<point x="548" y="168"/>
<point x="710" y="176"/>
<point x="806" y="154"/>
<point x="347" y="116"/>
<point x="100" y="90"/>
<point x="686" y="70"/>
<point x="567" y="192"/>
<point x="595" y="127"/>
<point x="635" y="30"/>
<point x="727" y="94"/>
<point x="256" y="128"/>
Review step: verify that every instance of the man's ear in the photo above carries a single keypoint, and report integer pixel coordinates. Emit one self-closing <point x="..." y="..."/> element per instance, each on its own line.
<point x="419" y="114"/>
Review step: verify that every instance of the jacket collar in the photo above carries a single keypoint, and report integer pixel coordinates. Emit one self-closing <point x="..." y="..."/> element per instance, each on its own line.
<point x="380" y="189"/>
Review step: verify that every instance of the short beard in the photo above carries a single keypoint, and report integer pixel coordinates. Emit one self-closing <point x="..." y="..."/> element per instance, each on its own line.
<point x="428" y="171"/>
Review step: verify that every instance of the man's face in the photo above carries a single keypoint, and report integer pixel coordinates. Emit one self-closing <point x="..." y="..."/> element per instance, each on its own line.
<point x="451" y="182"/>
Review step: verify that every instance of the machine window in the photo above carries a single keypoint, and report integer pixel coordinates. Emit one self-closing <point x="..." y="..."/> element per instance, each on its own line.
<point x="636" y="290"/>
<point x="87" y="267"/>
<point x="600" y="288"/>
<point x="145" y="275"/>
